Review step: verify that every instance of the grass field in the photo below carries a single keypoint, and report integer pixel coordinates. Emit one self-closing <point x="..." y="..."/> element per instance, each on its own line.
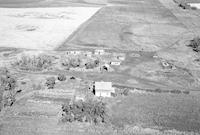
<point x="164" y="111"/>
<point x="129" y="27"/>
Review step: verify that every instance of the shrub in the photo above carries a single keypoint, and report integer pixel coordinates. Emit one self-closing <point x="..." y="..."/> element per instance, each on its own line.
<point x="23" y="82"/>
<point x="126" y="92"/>
<point x="1" y="98"/>
<point x="71" y="62"/>
<point x="92" y="64"/>
<point x="175" y="91"/>
<point x="72" y="78"/>
<point x="89" y="65"/>
<point x="51" y="81"/>
<point x="7" y="87"/>
<point x="66" y="62"/>
<point x="123" y="91"/>
<point x="113" y="94"/>
<point x="193" y="8"/>
<point x="158" y="90"/>
<point x="61" y="77"/>
<point x="195" y="44"/>
<point x="34" y="63"/>
<point x="75" y="62"/>
<point x="7" y="81"/>
<point x="93" y="111"/>
<point x="186" y="92"/>
<point x="8" y="98"/>
<point x="97" y="62"/>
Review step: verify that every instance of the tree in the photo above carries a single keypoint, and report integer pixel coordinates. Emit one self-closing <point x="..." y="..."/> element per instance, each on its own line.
<point x="89" y="65"/>
<point x="51" y="81"/>
<point x="92" y="64"/>
<point x="93" y="111"/>
<point x="61" y="77"/>
<point x="195" y="44"/>
<point x="75" y="62"/>
<point x="8" y="98"/>
<point x="7" y="87"/>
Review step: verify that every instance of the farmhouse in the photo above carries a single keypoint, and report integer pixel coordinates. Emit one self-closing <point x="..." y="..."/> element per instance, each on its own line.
<point x="99" y="52"/>
<point x="115" y="63"/>
<point x="194" y="5"/>
<point x="121" y="58"/>
<point x="88" y="54"/>
<point x="73" y="52"/>
<point x="76" y="52"/>
<point x="103" y="89"/>
<point x="68" y="52"/>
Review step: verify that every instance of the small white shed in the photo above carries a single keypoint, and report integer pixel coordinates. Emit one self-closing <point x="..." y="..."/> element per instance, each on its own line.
<point x="115" y="63"/>
<point x="103" y="89"/>
<point x="99" y="52"/>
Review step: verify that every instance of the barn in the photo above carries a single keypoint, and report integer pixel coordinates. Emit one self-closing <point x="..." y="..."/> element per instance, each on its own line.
<point x="103" y="89"/>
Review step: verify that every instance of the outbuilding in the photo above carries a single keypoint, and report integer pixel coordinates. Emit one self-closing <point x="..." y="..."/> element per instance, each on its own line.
<point x="99" y="52"/>
<point x="103" y="89"/>
<point x="115" y="63"/>
<point x="88" y="54"/>
<point x="121" y="58"/>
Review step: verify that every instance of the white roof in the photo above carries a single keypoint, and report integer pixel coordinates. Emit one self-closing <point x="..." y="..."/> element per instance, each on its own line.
<point x="103" y="86"/>
<point x="99" y="50"/>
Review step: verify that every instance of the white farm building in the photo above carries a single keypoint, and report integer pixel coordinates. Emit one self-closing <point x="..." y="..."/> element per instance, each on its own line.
<point x="103" y="89"/>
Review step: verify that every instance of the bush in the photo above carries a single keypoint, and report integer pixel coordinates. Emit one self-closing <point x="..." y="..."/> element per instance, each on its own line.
<point x="92" y="64"/>
<point x="75" y="62"/>
<point x="158" y="90"/>
<point x="51" y="81"/>
<point x="1" y="98"/>
<point x="72" y="78"/>
<point x="96" y="62"/>
<point x="66" y="62"/>
<point x="61" y="77"/>
<point x="8" y="98"/>
<point x="89" y="65"/>
<point x="175" y="91"/>
<point x="195" y="44"/>
<point x="186" y="92"/>
<point x="126" y="92"/>
<point x="7" y="81"/>
<point x="7" y="88"/>
<point x="34" y="63"/>
<point x="123" y="92"/>
<point x="113" y="94"/>
<point x="71" y="62"/>
<point x="92" y="111"/>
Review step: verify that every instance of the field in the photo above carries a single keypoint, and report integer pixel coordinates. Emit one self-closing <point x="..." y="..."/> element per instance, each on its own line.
<point x="164" y="111"/>
<point x="40" y="28"/>
<point x="129" y="27"/>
